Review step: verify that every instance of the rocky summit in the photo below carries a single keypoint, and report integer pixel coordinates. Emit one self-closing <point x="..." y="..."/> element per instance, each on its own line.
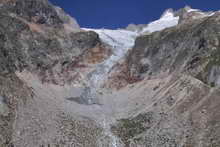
<point x="149" y="85"/>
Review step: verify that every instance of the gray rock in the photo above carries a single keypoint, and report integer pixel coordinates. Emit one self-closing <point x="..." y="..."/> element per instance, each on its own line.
<point x="40" y="11"/>
<point x="4" y="110"/>
<point x="191" y="48"/>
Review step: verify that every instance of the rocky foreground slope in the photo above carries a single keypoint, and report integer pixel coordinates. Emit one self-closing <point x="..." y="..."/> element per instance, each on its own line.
<point x="61" y="85"/>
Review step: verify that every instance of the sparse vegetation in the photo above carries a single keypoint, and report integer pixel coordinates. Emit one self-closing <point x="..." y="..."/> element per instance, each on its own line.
<point x="127" y="129"/>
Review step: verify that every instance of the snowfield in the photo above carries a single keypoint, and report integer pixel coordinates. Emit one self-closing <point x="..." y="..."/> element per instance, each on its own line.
<point x="166" y="21"/>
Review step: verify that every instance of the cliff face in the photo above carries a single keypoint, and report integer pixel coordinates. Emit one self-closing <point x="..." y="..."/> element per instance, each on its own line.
<point x="190" y="48"/>
<point x="54" y="78"/>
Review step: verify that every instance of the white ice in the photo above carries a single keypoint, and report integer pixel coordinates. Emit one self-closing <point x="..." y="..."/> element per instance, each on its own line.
<point x="192" y="10"/>
<point x="166" y="21"/>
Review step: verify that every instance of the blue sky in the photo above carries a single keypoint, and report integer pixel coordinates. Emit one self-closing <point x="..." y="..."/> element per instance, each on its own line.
<point x="119" y="13"/>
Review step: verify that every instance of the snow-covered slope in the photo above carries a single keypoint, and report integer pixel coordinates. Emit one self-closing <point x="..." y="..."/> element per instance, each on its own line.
<point x="166" y="21"/>
<point x="116" y="38"/>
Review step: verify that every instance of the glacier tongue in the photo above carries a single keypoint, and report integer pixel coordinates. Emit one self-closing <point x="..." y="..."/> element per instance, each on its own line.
<point x="120" y="41"/>
<point x="166" y="21"/>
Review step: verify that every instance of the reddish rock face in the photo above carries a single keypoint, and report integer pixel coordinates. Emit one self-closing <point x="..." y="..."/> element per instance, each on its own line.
<point x="97" y="55"/>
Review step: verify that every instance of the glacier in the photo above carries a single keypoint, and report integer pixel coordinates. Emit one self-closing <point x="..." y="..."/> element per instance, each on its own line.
<point x="120" y="41"/>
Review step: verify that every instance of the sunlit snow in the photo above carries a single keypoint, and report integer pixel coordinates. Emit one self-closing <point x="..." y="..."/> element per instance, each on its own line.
<point x="192" y="10"/>
<point x="166" y="21"/>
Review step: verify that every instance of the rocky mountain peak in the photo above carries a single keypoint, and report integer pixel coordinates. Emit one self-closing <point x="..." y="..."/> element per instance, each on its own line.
<point x="167" y="13"/>
<point x="40" y="12"/>
<point x="188" y="14"/>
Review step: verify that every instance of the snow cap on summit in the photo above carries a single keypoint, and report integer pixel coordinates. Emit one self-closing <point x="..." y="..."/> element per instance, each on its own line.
<point x="167" y="13"/>
<point x="168" y="19"/>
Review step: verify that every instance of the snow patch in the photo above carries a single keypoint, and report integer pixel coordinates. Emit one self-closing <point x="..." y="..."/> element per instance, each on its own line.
<point x="192" y="10"/>
<point x="204" y="14"/>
